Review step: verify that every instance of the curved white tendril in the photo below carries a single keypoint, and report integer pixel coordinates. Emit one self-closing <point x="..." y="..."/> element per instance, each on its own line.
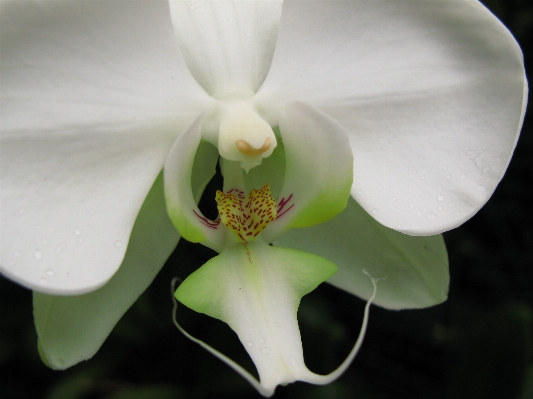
<point x="328" y="378"/>
<point x="245" y="374"/>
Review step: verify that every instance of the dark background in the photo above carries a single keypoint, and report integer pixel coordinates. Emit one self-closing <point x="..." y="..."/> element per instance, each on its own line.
<point x="478" y="344"/>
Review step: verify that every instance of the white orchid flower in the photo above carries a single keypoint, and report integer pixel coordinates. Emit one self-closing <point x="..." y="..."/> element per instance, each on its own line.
<point x="424" y="101"/>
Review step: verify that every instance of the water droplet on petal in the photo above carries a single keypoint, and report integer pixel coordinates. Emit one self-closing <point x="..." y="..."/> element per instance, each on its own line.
<point x="419" y="213"/>
<point x="440" y="208"/>
<point x="431" y="216"/>
<point x="265" y="351"/>
<point x="448" y="176"/>
<point x="250" y="343"/>
<point x="374" y="211"/>
<point x="191" y="7"/>
<point x="60" y="248"/>
<point x="77" y="232"/>
<point x="50" y="272"/>
<point x="118" y="244"/>
<point x="38" y="255"/>
<point x="440" y="198"/>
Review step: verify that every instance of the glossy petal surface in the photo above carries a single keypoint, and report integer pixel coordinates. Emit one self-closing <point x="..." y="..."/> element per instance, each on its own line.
<point x="413" y="271"/>
<point x="93" y="95"/>
<point x="72" y="328"/>
<point x="228" y="45"/>
<point x="432" y="94"/>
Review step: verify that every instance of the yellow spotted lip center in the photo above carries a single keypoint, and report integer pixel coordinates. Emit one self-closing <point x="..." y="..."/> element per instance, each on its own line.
<point x="248" y="215"/>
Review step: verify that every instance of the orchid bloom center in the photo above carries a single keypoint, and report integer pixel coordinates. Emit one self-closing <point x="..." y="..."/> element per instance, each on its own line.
<point x="247" y="216"/>
<point x="244" y="136"/>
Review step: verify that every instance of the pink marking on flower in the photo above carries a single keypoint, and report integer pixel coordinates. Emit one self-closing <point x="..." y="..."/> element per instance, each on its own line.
<point x="209" y="223"/>
<point x="282" y="204"/>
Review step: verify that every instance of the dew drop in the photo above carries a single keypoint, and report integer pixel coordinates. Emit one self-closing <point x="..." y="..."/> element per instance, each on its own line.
<point x="448" y="176"/>
<point x="450" y="205"/>
<point x="423" y="177"/>
<point x="419" y="213"/>
<point x="480" y="188"/>
<point x="374" y="211"/>
<point x="469" y="152"/>
<point x="440" y="208"/>
<point x="38" y="255"/>
<point x="49" y="272"/>
<point x="60" y="248"/>
<point x="440" y="197"/>
<point x="261" y="340"/>
<point x="191" y="7"/>
<point x="265" y="351"/>
<point x="77" y="232"/>
<point x="431" y="216"/>
<point x="118" y="244"/>
<point x="394" y="198"/>
<point x="250" y="343"/>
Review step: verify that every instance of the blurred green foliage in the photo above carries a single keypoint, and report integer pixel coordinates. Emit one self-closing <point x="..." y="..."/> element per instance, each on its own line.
<point x="476" y="345"/>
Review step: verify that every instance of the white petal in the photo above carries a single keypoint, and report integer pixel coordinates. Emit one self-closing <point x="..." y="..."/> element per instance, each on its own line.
<point x="318" y="173"/>
<point x="93" y="95"/>
<point x="96" y="63"/>
<point x="72" y="328"/>
<point x="227" y="45"/>
<point x="432" y="94"/>
<point x="188" y="157"/>
<point x="412" y="271"/>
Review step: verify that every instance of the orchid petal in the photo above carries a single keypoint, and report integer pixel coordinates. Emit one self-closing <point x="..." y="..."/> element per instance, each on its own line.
<point x="93" y="94"/>
<point x="256" y="289"/>
<point x="318" y="171"/>
<point x="188" y="157"/>
<point x="432" y="94"/>
<point x="72" y="328"/>
<point x="412" y="271"/>
<point x="227" y="45"/>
